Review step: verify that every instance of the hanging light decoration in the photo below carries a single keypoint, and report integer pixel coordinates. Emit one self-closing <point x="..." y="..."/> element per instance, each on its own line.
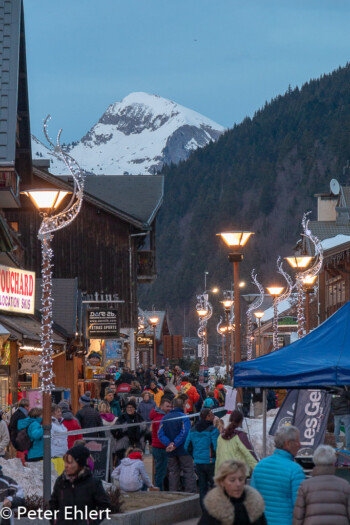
<point x="205" y="311"/>
<point x="254" y="306"/>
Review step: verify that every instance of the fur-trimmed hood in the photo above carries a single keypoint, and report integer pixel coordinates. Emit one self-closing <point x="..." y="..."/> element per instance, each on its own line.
<point x="220" y="507"/>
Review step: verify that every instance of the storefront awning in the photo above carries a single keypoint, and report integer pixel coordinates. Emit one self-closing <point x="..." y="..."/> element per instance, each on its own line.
<point x="27" y="329"/>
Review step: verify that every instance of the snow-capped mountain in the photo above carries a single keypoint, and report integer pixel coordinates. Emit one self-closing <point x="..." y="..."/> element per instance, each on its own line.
<point x="137" y="136"/>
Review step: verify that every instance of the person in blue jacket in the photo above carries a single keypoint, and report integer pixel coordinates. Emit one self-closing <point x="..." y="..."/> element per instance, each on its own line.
<point x="172" y="432"/>
<point x="35" y="433"/>
<point x="201" y="443"/>
<point x="278" y="477"/>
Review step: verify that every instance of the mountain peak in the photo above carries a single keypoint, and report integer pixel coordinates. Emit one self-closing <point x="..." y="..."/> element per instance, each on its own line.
<point x="141" y="133"/>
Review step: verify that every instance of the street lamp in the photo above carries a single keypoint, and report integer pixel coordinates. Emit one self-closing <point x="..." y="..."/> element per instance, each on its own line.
<point x="308" y="286"/>
<point x="300" y="263"/>
<point x="275" y="292"/>
<point x="153" y="321"/>
<point x="236" y="240"/>
<point x="47" y="201"/>
<point x="259" y="315"/>
<point x="204" y="311"/>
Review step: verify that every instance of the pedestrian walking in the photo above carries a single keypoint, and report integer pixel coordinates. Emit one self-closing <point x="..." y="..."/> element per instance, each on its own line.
<point x="130" y="436"/>
<point x="78" y="490"/>
<point x="87" y="416"/>
<point x="159" y="453"/>
<point x="20" y="413"/>
<point x="110" y="397"/>
<point x="278" y="477"/>
<point x="35" y="431"/>
<point x="173" y="431"/>
<point x="70" y="422"/>
<point x="201" y="443"/>
<point x="324" y="498"/>
<point x="233" y="443"/>
<point x="4" y="436"/>
<point x="146" y="405"/>
<point x="232" y="502"/>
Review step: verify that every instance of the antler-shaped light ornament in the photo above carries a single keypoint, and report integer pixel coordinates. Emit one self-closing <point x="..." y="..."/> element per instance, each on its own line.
<point x="285" y="295"/>
<point x="254" y="306"/>
<point x="204" y="311"/>
<point x="49" y="225"/>
<point x="308" y="274"/>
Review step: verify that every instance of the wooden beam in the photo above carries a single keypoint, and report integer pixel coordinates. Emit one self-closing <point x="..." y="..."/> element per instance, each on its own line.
<point x="14" y="370"/>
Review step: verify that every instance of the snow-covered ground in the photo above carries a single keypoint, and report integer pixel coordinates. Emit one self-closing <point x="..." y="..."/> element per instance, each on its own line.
<point x="29" y="477"/>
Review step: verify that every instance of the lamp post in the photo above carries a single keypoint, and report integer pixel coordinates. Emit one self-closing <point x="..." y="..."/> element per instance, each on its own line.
<point x="236" y="240"/>
<point x="259" y="315"/>
<point x="47" y="202"/>
<point x="308" y="285"/>
<point x="227" y="304"/>
<point x="275" y="292"/>
<point x="300" y="263"/>
<point x="153" y="321"/>
<point x="204" y="311"/>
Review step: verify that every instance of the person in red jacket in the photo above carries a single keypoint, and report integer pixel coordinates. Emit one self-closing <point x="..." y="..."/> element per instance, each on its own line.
<point x="158" y="449"/>
<point x="186" y="387"/>
<point x="70" y="422"/>
<point x="220" y="392"/>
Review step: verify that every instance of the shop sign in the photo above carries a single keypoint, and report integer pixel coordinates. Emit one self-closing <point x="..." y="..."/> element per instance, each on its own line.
<point x="30" y="364"/>
<point x="144" y="342"/>
<point x="102" y="324"/>
<point x="17" y="290"/>
<point x="114" y="350"/>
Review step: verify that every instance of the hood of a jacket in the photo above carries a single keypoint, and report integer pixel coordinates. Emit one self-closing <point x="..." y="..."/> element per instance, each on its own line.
<point x="127" y="462"/>
<point x="24" y="423"/>
<point x="155" y="412"/>
<point x="67" y="415"/>
<point x="203" y="425"/>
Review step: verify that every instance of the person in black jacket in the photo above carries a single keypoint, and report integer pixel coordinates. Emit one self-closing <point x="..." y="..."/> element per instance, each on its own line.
<point x="21" y="413"/>
<point x="130" y="436"/>
<point x="77" y="492"/>
<point x="11" y="495"/>
<point x="232" y="502"/>
<point x="87" y="416"/>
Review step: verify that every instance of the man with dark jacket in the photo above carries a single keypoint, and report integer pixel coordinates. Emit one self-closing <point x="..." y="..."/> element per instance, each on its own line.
<point x="341" y="409"/>
<point x="201" y="444"/>
<point x="21" y="413"/>
<point x="87" y="416"/>
<point x="11" y="495"/>
<point x="158" y="449"/>
<point x="173" y="431"/>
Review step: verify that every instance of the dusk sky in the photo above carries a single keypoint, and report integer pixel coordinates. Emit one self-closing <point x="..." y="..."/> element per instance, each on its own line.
<point x="222" y="58"/>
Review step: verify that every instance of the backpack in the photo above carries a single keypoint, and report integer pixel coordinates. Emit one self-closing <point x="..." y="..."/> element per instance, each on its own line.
<point x="23" y="441"/>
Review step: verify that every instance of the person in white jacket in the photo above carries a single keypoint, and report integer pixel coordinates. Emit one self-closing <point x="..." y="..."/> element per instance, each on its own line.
<point x="4" y="436"/>
<point x="131" y="472"/>
<point x="59" y="445"/>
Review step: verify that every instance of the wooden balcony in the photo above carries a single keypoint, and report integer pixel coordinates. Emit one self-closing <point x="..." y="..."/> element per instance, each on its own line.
<point x="9" y="191"/>
<point x="146" y="266"/>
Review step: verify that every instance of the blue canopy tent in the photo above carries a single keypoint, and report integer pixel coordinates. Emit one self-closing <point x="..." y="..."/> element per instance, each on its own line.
<point x="321" y="358"/>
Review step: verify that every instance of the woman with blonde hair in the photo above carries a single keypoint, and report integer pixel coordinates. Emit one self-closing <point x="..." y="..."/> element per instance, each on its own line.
<point x="232" y="502"/>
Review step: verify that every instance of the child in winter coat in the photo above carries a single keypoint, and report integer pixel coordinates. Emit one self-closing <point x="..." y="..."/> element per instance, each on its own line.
<point x="131" y="472"/>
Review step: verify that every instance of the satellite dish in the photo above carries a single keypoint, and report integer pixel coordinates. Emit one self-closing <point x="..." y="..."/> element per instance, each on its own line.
<point x="335" y="187"/>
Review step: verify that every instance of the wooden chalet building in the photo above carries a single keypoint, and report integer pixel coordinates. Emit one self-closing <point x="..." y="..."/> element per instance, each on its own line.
<point x="107" y="250"/>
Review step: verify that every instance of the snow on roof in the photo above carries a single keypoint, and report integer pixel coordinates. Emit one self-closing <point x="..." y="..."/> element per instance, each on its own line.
<point x="283" y="306"/>
<point x="332" y="242"/>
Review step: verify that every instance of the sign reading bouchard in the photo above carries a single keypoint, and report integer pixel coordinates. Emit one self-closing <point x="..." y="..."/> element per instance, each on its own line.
<point x="17" y="290"/>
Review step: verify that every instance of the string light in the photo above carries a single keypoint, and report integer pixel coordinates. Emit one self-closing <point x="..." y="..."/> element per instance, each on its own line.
<point x="205" y="311"/>
<point x="254" y="306"/>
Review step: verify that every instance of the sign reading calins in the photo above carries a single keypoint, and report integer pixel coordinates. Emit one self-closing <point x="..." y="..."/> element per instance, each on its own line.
<point x="17" y="290"/>
<point x="102" y="324"/>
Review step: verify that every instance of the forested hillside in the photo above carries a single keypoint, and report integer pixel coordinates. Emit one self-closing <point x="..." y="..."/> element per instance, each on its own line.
<point x="261" y="176"/>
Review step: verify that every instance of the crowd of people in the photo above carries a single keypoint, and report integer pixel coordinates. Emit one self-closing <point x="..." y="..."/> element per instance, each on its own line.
<point x="171" y="415"/>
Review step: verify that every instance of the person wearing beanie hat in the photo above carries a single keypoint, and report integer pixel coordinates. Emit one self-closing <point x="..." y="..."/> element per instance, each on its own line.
<point x="77" y="489"/>
<point x="130" y="436"/>
<point x="131" y="472"/>
<point x="70" y="422"/>
<point x="87" y="416"/>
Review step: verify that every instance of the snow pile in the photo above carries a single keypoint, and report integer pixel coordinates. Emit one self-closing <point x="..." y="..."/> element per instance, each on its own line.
<point x="137" y="136"/>
<point x="29" y="477"/>
<point x="254" y="429"/>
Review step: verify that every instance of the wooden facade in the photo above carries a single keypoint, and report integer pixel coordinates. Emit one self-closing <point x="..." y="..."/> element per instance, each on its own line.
<point x="334" y="281"/>
<point x="96" y="248"/>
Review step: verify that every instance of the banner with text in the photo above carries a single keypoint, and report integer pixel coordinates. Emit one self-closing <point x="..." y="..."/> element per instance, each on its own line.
<point x="17" y="290"/>
<point x="285" y="414"/>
